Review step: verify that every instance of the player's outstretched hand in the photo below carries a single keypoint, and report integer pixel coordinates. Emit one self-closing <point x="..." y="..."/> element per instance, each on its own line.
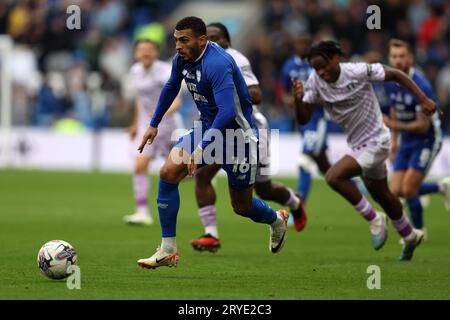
<point x="296" y="89"/>
<point x="149" y="136"/>
<point x="429" y="107"/>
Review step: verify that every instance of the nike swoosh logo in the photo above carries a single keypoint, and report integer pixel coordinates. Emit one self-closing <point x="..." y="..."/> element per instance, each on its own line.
<point x="279" y="244"/>
<point x="161" y="260"/>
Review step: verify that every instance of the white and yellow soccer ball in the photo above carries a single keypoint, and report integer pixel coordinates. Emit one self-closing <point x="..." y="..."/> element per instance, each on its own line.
<point x="55" y="257"/>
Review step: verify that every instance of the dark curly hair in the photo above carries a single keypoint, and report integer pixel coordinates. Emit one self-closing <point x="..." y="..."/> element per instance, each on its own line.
<point x="326" y="50"/>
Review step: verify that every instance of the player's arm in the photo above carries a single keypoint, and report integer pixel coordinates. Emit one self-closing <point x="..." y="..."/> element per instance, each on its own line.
<point x="222" y="83"/>
<point x="303" y="110"/>
<point x="223" y="89"/>
<point x="255" y="94"/>
<point x="428" y="106"/>
<point x="250" y="79"/>
<point x="225" y="116"/>
<point x="394" y="133"/>
<point x="420" y="125"/>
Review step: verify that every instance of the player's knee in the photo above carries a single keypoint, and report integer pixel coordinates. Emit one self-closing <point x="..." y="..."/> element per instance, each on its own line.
<point x="408" y="191"/>
<point x="140" y="168"/>
<point x="202" y="180"/>
<point x="164" y="173"/>
<point x="169" y="175"/>
<point x="396" y="191"/>
<point x="241" y="208"/>
<point x="332" y="179"/>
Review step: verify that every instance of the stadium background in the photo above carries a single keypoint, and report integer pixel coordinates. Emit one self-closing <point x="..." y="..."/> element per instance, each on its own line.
<point x="70" y="105"/>
<point x="75" y="81"/>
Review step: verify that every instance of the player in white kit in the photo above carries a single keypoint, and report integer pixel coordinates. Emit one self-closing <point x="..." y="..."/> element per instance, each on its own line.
<point x="148" y="75"/>
<point x="345" y="91"/>
<point x="265" y="188"/>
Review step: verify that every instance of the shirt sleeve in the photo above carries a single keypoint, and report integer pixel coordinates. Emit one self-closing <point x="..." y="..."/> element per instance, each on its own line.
<point x="247" y="72"/>
<point x="245" y="68"/>
<point x="168" y="93"/>
<point x="373" y="72"/>
<point x="425" y="86"/>
<point x="221" y="77"/>
<point x="311" y="94"/>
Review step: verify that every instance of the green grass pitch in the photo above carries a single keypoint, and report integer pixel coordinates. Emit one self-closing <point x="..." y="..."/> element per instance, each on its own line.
<point x="328" y="260"/>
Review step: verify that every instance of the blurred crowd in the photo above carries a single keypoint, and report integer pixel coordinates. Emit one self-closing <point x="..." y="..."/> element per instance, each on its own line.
<point x="63" y="74"/>
<point x="77" y="74"/>
<point x="425" y="24"/>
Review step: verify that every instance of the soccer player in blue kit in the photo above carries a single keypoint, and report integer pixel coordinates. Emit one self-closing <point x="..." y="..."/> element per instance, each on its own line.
<point x="420" y="136"/>
<point x="213" y="78"/>
<point x="315" y="131"/>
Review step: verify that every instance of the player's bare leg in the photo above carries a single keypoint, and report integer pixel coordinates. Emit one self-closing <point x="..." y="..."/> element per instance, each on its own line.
<point x="141" y="188"/>
<point x="171" y="173"/>
<point x="392" y="205"/>
<point x="246" y="205"/>
<point x="272" y="191"/>
<point x="339" y="175"/>
<point x="406" y="184"/>
<point x="206" y="199"/>
<point x="381" y="193"/>
<point x="396" y="182"/>
<point x="322" y="162"/>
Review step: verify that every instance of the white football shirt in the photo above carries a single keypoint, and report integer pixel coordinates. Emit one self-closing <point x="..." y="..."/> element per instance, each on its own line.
<point x="245" y="67"/>
<point x="351" y="101"/>
<point x="148" y="84"/>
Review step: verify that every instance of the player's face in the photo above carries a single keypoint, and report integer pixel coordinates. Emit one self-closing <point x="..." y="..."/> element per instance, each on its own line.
<point x="400" y="58"/>
<point x="217" y="36"/>
<point x="188" y="45"/>
<point x="146" y="53"/>
<point x="328" y="70"/>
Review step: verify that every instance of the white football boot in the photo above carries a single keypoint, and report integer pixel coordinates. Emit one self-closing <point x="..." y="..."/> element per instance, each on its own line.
<point x="378" y="230"/>
<point x="411" y="244"/>
<point x="278" y="232"/>
<point x="139" y="218"/>
<point x="160" y="259"/>
<point x="425" y="236"/>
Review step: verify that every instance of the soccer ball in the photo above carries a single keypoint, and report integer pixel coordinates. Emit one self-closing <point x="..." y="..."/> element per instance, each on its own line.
<point x="55" y="257"/>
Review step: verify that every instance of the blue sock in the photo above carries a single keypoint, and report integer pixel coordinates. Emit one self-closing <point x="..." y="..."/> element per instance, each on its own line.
<point x="168" y="206"/>
<point x="304" y="183"/>
<point x="261" y="212"/>
<point x="416" y="211"/>
<point x="426" y="188"/>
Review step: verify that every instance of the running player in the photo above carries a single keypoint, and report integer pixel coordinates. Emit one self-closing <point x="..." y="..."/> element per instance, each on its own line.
<point x="345" y="92"/>
<point x="148" y="75"/>
<point x="213" y="78"/>
<point x="265" y="188"/>
<point x="416" y="138"/>
<point x="314" y="132"/>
